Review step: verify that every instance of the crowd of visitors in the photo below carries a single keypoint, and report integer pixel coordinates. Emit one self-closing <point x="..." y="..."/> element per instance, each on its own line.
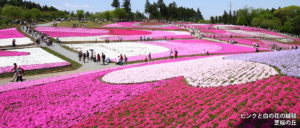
<point x="122" y="60"/>
<point x="93" y="57"/>
<point x="39" y="36"/>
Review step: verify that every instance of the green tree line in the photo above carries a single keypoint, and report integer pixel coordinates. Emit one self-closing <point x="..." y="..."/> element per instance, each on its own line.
<point x="285" y="19"/>
<point x="25" y="10"/>
<point x="159" y="10"/>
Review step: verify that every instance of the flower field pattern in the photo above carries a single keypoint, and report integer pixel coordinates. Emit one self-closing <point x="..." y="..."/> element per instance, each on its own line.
<point x="155" y="34"/>
<point x="12" y="53"/>
<point x="67" y="100"/>
<point x="31" y="61"/>
<point x="287" y="61"/>
<point x="64" y="101"/>
<point x="10" y="33"/>
<point x="71" y="32"/>
<point x="7" y="35"/>
<point x="136" y="51"/>
<point x="207" y="72"/>
<point x="87" y="34"/>
<point x="177" y="105"/>
<point x="194" y="47"/>
<point x="113" y="50"/>
<point x="141" y="25"/>
<point x="227" y="31"/>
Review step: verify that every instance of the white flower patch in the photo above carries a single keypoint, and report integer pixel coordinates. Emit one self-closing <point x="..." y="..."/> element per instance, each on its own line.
<point x="36" y="56"/>
<point x="180" y="32"/>
<point x="207" y="72"/>
<point x="85" y="38"/>
<point x="19" y="41"/>
<point x="223" y="26"/>
<point x="113" y="50"/>
<point x="260" y="34"/>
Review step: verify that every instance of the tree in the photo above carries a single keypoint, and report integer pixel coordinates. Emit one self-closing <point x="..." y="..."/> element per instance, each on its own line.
<point x="72" y="14"/>
<point x="199" y="15"/>
<point x="212" y="20"/>
<point x="162" y="9"/>
<point x="80" y="14"/>
<point x="230" y="18"/>
<point x="120" y="13"/>
<point x="106" y="15"/>
<point x="127" y="6"/>
<point x="27" y="14"/>
<point x="225" y="17"/>
<point x="36" y="13"/>
<point x="138" y="16"/>
<point x="12" y="12"/>
<point x="115" y="4"/>
<point x="256" y="21"/>
<point x="147" y="7"/>
<point x="172" y="10"/>
<point x="242" y="21"/>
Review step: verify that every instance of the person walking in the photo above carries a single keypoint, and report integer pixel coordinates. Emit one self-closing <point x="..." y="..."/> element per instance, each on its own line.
<point x="98" y="58"/>
<point x="149" y="56"/>
<point x="121" y="59"/>
<point x="125" y="59"/>
<point x="171" y="54"/>
<point x="58" y="40"/>
<point x="92" y="55"/>
<point x="176" y="54"/>
<point x="103" y="58"/>
<point x="84" y="56"/>
<point x="14" y="42"/>
<point x="87" y="54"/>
<point x="19" y="73"/>
<point x="14" y="70"/>
<point x="80" y="55"/>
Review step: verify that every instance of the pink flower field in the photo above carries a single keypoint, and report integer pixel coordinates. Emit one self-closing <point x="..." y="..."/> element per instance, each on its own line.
<point x="176" y="104"/>
<point x="79" y="100"/>
<point x="10" y="33"/>
<point x="64" y="101"/>
<point x="194" y="47"/>
<point x="155" y="34"/>
<point x="71" y="32"/>
<point x="35" y="66"/>
<point x="139" y="25"/>
<point x="113" y="34"/>
<point x="12" y="53"/>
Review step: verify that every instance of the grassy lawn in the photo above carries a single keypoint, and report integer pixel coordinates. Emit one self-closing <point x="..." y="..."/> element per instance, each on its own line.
<point x="74" y="65"/>
<point x="89" y="24"/>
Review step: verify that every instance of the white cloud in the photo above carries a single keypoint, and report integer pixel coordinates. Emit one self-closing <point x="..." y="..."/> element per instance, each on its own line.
<point x="74" y="6"/>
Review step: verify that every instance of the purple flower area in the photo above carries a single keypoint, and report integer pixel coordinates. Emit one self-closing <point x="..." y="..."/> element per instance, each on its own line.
<point x="287" y="61"/>
<point x="66" y="100"/>
<point x="34" y="66"/>
<point x="12" y="53"/>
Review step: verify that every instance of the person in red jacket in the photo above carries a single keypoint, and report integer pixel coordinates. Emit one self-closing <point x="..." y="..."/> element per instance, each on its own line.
<point x="121" y="59"/>
<point x="175" y="54"/>
<point x="98" y="58"/>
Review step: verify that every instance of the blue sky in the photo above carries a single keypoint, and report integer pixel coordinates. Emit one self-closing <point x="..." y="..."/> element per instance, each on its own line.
<point x="207" y="7"/>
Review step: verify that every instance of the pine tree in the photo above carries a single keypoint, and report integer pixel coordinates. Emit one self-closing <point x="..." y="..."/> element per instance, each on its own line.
<point x="115" y="4"/>
<point x="147" y="6"/>
<point x="127" y="6"/>
<point x="199" y="15"/>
